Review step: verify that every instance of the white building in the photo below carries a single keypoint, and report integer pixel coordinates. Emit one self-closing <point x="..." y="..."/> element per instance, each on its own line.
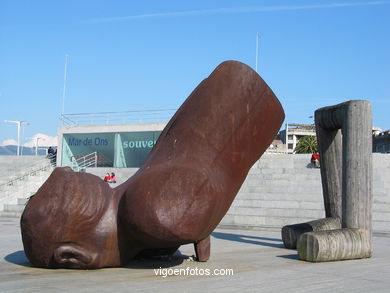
<point x="294" y="132"/>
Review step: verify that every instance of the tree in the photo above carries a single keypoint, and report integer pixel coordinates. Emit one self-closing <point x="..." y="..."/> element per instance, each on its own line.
<point x="306" y="145"/>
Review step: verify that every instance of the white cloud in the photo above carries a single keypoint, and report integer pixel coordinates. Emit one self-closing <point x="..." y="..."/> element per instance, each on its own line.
<point x="241" y="10"/>
<point x="43" y="140"/>
<point x="9" y="141"/>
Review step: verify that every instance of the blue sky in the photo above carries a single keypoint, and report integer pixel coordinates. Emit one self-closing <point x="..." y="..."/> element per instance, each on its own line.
<point x="140" y="55"/>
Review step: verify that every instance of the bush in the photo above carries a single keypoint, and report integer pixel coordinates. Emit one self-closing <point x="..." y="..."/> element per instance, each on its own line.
<point x="307" y="145"/>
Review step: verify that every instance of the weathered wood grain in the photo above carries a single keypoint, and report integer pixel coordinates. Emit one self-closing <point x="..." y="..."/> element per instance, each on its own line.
<point x="345" y="147"/>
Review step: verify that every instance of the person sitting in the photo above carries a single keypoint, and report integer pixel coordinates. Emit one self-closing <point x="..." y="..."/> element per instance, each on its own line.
<point x="315" y="160"/>
<point x="107" y="178"/>
<point x="112" y="178"/>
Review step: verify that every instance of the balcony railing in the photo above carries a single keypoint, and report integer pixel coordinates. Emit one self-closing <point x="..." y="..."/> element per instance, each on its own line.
<point x="148" y="116"/>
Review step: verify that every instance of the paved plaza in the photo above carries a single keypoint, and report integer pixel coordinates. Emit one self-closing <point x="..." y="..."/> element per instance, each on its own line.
<point x="245" y="260"/>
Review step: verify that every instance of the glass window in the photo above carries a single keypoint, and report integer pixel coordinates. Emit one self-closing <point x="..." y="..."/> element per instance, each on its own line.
<point x="75" y="146"/>
<point x="124" y="149"/>
<point x="133" y="147"/>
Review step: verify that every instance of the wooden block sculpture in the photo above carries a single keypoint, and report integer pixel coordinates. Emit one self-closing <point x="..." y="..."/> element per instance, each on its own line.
<point x="344" y="134"/>
<point x="178" y="196"/>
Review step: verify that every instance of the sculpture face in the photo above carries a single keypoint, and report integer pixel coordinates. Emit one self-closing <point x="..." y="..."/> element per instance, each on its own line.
<point x="71" y="223"/>
<point x="95" y="249"/>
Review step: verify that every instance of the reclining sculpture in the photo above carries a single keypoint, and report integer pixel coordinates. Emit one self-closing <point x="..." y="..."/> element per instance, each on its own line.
<point x="344" y="134"/>
<point x="178" y="196"/>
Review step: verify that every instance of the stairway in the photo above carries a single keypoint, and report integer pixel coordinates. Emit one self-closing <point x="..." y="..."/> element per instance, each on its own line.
<point x="13" y="197"/>
<point x="279" y="190"/>
<point x="14" y="210"/>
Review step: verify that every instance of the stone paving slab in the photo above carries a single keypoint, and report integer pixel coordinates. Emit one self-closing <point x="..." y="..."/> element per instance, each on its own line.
<point x="257" y="259"/>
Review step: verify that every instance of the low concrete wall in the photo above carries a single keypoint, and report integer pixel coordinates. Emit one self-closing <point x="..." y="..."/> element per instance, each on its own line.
<point x="279" y="190"/>
<point x="282" y="190"/>
<point x="122" y="174"/>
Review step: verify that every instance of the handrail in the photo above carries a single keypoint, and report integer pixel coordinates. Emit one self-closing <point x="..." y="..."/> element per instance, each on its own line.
<point x="150" y="116"/>
<point x="42" y="165"/>
<point x="86" y="161"/>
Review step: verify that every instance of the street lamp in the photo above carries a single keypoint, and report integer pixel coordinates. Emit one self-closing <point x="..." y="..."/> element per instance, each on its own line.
<point x="64" y="88"/>
<point x="257" y="51"/>
<point x="19" y="123"/>
<point x="36" y="145"/>
<point x="36" y="138"/>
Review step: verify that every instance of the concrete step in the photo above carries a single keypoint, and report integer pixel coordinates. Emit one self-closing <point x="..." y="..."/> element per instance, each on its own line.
<point x="381" y="216"/>
<point x="282" y="195"/>
<point x="10" y="214"/>
<point x="286" y="204"/>
<point x="381" y="197"/>
<point x="13" y="208"/>
<point x="22" y="189"/>
<point x="380" y="226"/>
<point x="281" y="176"/>
<point x="262" y="221"/>
<point x="275" y="212"/>
<point x="122" y="174"/>
<point x="22" y="201"/>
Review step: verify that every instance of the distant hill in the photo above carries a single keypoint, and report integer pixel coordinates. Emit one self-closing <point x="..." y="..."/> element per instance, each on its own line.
<point x="10" y="150"/>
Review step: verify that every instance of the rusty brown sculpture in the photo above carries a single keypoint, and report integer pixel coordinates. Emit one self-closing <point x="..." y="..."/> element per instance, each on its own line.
<point x="178" y="196"/>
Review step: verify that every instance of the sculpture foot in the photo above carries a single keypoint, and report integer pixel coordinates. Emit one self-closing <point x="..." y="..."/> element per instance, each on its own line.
<point x="202" y="249"/>
<point x="341" y="244"/>
<point x="291" y="233"/>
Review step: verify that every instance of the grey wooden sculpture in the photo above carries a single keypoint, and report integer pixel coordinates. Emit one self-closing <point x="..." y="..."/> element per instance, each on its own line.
<point x="344" y="134"/>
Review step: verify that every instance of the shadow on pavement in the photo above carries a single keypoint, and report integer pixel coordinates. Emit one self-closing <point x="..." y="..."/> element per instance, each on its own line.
<point x="158" y="262"/>
<point x="264" y="241"/>
<point x="290" y="256"/>
<point x="18" y="258"/>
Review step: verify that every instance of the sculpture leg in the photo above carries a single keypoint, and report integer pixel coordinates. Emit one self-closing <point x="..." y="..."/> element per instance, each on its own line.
<point x="341" y="244"/>
<point x="202" y="249"/>
<point x="291" y="233"/>
<point x="354" y="239"/>
<point x="330" y="147"/>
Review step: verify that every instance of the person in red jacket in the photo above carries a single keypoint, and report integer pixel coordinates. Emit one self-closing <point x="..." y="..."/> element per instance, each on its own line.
<point x="112" y="178"/>
<point x="107" y="178"/>
<point x="315" y="160"/>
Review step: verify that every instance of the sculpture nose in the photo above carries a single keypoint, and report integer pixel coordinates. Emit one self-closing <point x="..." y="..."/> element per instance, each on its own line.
<point x="67" y="256"/>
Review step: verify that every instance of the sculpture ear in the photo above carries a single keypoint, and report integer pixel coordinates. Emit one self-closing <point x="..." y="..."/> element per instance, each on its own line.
<point x="67" y="256"/>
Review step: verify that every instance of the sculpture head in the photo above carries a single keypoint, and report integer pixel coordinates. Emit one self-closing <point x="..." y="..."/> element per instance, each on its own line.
<point x="178" y="196"/>
<point x="71" y="222"/>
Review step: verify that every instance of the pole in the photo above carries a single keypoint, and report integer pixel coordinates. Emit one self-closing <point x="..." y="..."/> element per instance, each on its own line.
<point x="286" y="138"/>
<point x="19" y="123"/>
<point x="257" y="51"/>
<point x="18" y="151"/>
<point x="36" y="146"/>
<point x="64" y="89"/>
<point x="22" y="137"/>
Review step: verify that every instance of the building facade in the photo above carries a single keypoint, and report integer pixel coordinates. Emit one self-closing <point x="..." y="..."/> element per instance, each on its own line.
<point x="293" y="133"/>
<point x="381" y="142"/>
<point x="118" y="145"/>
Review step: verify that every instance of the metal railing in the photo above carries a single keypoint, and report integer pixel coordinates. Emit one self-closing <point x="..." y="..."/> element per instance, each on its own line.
<point x="83" y="162"/>
<point x="148" y="116"/>
<point x="43" y="165"/>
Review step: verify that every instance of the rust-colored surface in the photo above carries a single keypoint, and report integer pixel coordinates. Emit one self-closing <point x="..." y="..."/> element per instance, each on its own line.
<point x="71" y="223"/>
<point x="178" y="196"/>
